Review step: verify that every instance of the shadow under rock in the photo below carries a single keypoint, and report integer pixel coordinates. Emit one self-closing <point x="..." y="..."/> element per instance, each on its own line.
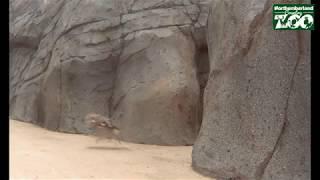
<point x="107" y="148"/>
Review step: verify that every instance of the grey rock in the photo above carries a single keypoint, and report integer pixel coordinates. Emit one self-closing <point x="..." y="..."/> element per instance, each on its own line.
<point x="157" y="89"/>
<point x="256" y="121"/>
<point x="144" y="65"/>
<point x="129" y="60"/>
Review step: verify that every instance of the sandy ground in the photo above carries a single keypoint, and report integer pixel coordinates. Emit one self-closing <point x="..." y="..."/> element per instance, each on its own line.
<point x="36" y="153"/>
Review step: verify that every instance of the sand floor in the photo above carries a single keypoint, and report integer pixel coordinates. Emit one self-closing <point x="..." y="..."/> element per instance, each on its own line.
<point x="36" y="153"/>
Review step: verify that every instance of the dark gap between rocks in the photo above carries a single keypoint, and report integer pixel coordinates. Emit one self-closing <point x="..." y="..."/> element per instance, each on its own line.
<point x="203" y="69"/>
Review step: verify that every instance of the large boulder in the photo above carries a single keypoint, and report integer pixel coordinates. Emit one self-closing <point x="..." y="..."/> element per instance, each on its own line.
<point x="131" y="60"/>
<point x="156" y="89"/>
<point x="256" y="121"/>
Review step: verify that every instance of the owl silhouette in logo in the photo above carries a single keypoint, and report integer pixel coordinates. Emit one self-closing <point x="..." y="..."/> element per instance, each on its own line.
<point x="293" y="21"/>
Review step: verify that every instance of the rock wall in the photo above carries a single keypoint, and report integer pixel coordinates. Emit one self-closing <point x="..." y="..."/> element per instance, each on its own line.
<point x="131" y="60"/>
<point x="145" y="64"/>
<point x="256" y="121"/>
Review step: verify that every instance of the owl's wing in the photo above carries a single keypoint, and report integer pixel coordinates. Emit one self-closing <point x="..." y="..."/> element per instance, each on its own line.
<point x="109" y="124"/>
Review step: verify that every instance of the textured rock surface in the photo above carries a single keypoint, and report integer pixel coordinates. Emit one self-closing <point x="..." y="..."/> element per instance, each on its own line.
<point x="131" y="60"/>
<point x="144" y="64"/>
<point x="256" y="121"/>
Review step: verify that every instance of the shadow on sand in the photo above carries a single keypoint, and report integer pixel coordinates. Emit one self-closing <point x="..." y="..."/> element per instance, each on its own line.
<point x="107" y="148"/>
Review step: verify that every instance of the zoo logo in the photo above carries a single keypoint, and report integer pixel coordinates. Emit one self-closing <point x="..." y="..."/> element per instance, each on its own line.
<point x="293" y="17"/>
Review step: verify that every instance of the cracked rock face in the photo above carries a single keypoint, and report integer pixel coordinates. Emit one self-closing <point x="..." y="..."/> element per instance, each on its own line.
<point x="142" y="63"/>
<point x="256" y="121"/>
<point x="131" y="60"/>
